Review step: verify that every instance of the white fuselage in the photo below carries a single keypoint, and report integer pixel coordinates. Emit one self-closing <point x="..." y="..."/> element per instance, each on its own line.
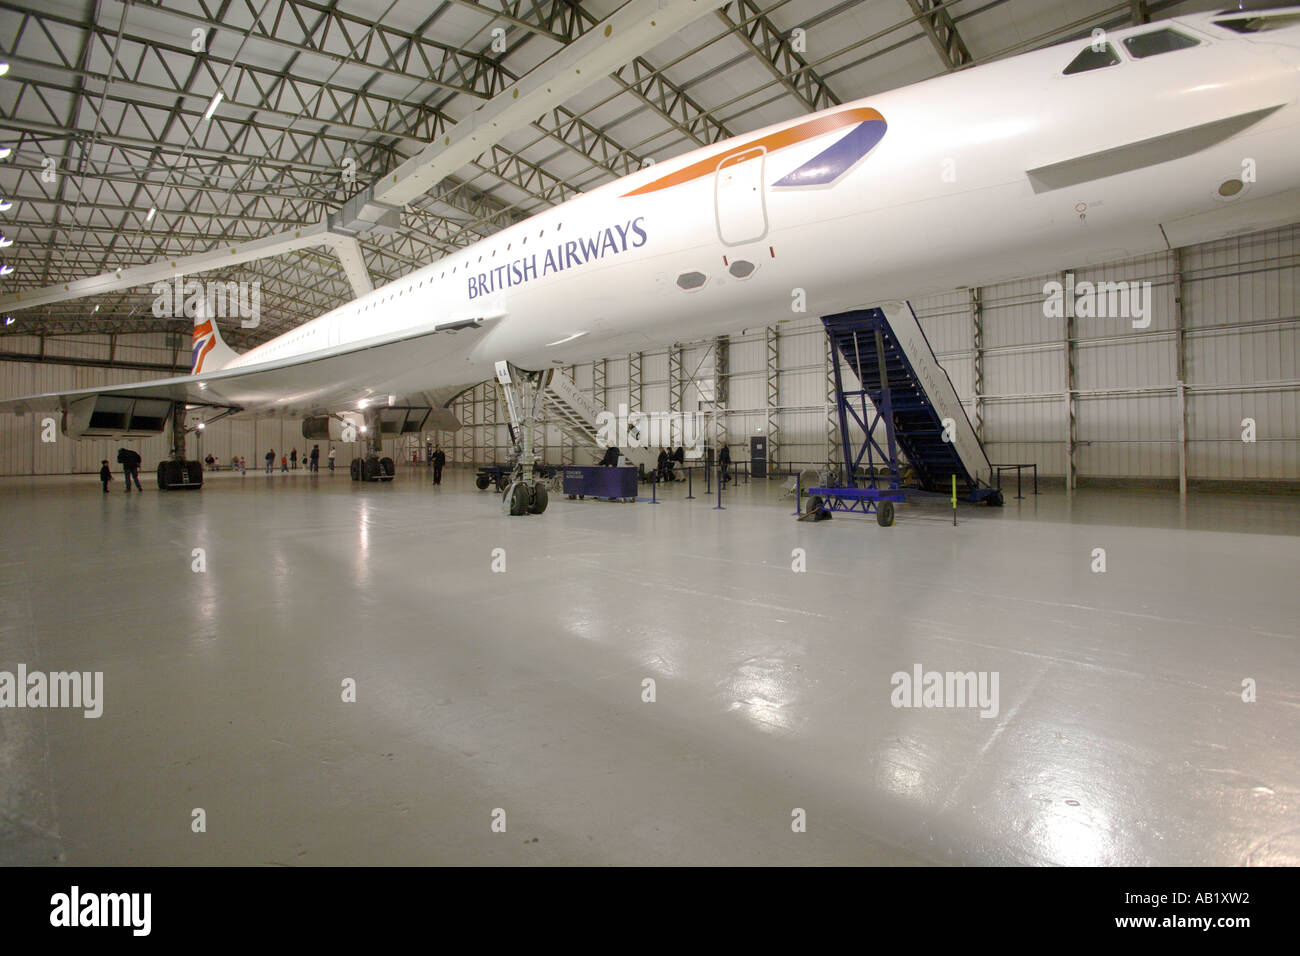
<point x="944" y="199"/>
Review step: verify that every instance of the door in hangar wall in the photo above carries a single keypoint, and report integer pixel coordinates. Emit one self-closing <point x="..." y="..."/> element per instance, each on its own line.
<point x="739" y="197"/>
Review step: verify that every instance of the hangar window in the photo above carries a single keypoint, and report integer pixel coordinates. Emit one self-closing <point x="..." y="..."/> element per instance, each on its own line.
<point x="1092" y="59"/>
<point x="1158" y="41"/>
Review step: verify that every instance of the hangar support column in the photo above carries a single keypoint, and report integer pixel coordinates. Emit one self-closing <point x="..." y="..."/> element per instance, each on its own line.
<point x="1180" y="361"/>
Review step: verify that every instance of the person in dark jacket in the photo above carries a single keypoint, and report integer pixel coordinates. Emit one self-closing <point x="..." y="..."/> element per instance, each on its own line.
<point x="130" y="462"/>
<point x="611" y="457"/>
<point x="104" y="474"/>
<point x="315" y="458"/>
<point x="662" y="466"/>
<point x="439" y="462"/>
<point x="724" y="462"/>
<point x="293" y="459"/>
<point x="270" y="460"/>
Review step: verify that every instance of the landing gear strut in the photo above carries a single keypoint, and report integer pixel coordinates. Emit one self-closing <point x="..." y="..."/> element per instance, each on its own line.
<point x="525" y="493"/>
<point x="176" y="473"/>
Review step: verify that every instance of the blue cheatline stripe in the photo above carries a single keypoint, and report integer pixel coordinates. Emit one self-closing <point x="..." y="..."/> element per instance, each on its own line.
<point x="834" y="161"/>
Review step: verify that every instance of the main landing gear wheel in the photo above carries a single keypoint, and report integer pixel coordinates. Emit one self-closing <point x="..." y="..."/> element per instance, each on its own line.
<point x="884" y="513"/>
<point x="516" y="499"/>
<point x="539" y="499"/>
<point x="355" y="469"/>
<point x="180" y="475"/>
<point x="387" y="467"/>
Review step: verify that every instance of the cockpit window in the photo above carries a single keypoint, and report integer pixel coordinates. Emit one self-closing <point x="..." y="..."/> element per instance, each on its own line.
<point x="1157" y="42"/>
<point x="1092" y="59"/>
<point x="1260" y="24"/>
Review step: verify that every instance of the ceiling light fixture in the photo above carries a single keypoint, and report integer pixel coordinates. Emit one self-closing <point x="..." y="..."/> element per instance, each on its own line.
<point x="212" y="107"/>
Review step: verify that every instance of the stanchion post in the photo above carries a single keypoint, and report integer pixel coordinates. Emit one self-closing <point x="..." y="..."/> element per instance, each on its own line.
<point x="719" y="507"/>
<point x="690" y="483"/>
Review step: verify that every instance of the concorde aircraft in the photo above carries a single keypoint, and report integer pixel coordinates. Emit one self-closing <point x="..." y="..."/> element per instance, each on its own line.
<point x="1143" y="139"/>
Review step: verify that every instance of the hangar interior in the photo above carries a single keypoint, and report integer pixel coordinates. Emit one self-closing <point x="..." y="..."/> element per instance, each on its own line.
<point x="1122" y="736"/>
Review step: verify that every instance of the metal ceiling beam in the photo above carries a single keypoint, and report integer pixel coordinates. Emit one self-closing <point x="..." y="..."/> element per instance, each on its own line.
<point x="938" y="25"/>
<point x="630" y="31"/>
<point x="131" y="277"/>
<point x="440" y="64"/>
<point x="772" y="47"/>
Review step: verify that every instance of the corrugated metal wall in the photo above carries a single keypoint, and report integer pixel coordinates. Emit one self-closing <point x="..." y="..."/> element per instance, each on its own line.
<point x="1236" y="324"/>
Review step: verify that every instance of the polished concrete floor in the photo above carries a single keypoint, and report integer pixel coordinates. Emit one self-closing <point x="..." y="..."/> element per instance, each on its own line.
<point x="1120" y="734"/>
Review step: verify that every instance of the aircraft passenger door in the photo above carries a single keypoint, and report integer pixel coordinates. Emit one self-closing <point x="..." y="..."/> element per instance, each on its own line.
<point x="739" y="197"/>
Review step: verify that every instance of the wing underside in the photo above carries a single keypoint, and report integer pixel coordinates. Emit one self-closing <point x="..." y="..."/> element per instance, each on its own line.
<point x="301" y="385"/>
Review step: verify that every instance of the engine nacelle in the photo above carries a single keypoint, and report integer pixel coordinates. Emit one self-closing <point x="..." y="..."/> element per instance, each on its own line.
<point x="116" y="416"/>
<point x="338" y="428"/>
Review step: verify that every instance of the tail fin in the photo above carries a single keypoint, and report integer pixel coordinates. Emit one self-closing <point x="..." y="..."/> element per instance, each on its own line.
<point x="210" y="352"/>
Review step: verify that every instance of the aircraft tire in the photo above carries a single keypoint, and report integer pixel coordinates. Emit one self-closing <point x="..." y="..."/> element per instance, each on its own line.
<point x="518" y="499"/>
<point x="884" y="513"/>
<point x="539" y="499"/>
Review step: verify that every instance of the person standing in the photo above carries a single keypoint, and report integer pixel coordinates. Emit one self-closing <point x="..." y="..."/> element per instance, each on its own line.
<point x="331" y="459"/>
<point x="270" y="460"/>
<point x="315" y="458"/>
<point x="105" y="475"/>
<point x="243" y="467"/>
<point x="130" y="462"/>
<point x="293" y="459"/>
<point x="439" y="459"/>
<point x="284" y="464"/>
<point x="724" y="462"/>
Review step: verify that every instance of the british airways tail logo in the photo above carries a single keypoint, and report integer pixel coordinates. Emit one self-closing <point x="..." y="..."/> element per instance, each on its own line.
<point x="865" y="128"/>
<point x="204" y="341"/>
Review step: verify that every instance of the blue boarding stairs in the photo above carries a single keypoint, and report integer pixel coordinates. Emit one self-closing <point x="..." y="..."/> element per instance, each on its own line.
<point x="902" y="386"/>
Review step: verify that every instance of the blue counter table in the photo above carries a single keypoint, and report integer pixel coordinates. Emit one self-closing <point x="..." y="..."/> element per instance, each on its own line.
<point x="596" y="482"/>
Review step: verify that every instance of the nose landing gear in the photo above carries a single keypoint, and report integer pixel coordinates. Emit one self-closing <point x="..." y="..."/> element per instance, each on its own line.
<point x="526" y="491"/>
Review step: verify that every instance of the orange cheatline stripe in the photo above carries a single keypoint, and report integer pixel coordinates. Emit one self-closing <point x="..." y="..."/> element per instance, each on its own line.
<point x="202" y="330"/>
<point x="203" y="353"/>
<point x="771" y="142"/>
